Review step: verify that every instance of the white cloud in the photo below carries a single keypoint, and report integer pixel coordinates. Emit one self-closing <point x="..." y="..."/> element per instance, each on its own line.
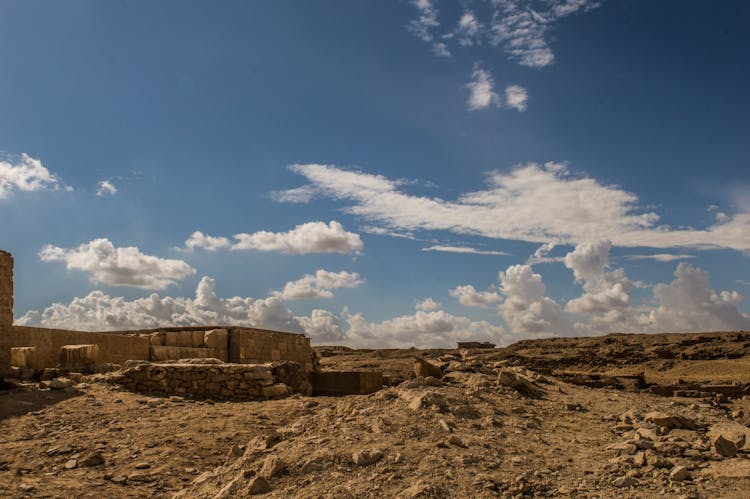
<point x="427" y="305"/>
<point x="516" y="97"/>
<point x="424" y="26"/>
<point x="310" y="237"/>
<point x="422" y="329"/>
<point x="464" y="249"/>
<point x="660" y="257"/>
<point x="469" y="30"/>
<point x="382" y="231"/>
<point x="100" y="312"/>
<point x="318" y="285"/>
<point x="301" y="195"/>
<point x="125" y="266"/>
<point x="105" y="188"/>
<point x="521" y="29"/>
<point x="530" y="203"/>
<point x="689" y="304"/>
<point x="526" y="310"/>
<point x="605" y="291"/>
<point x="28" y="175"/>
<point x="209" y="243"/>
<point x="470" y="297"/>
<point x="481" y="90"/>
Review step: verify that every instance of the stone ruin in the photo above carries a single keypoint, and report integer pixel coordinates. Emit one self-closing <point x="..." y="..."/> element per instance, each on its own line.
<point x="228" y="363"/>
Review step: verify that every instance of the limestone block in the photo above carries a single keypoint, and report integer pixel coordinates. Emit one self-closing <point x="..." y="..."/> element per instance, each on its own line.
<point x="79" y="356"/>
<point x="177" y="353"/>
<point x="216" y="338"/>
<point x="185" y="339"/>
<point x="197" y="337"/>
<point x="157" y="339"/>
<point x="23" y="357"/>
<point x="172" y="339"/>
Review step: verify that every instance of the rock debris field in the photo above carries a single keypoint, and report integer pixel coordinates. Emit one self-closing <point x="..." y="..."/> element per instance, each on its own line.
<point x="544" y="418"/>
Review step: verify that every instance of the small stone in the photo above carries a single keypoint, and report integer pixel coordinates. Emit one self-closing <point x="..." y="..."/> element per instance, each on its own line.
<point x="455" y="440"/>
<point x="272" y="466"/>
<point x="424" y="369"/>
<point x="367" y="457"/>
<point x="679" y="473"/>
<point x="70" y="464"/>
<point x="235" y="451"/>
<point x="724" y="447"/>
<point x="142" y="466"/>
<point x="92" y="459"/>
<point x="60" y="383"/>
<point x="119" y="480"/>
<point x="313" y="465"/>
<point x="624" y="481"/>
<point x="444" y="425"/>
<point x="258" y="485"/>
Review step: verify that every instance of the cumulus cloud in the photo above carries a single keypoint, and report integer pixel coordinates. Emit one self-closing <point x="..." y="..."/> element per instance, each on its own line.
<point x="531" y="202"/>
<point x="98" y="311"/>
<point x="482" y="90"/>
<point x="424" y="26"/>
<point x="468" y="296"/>
<point x="526" y="310"/>
<point x="28" y="175"/>
<point x="436" y="329"/>
<point x="689" y="304"/>
<point x="105" y="188"/>
<point x="605" y="290"/>
<point x="427" y="305"/>
<point x="318" y="285"/>
<point x="464" y="249"/>
<point x="126" y="266"/>
<point x="516" y="97"/>
<point x="310" y="237"/>
<point x="209" y="243"/>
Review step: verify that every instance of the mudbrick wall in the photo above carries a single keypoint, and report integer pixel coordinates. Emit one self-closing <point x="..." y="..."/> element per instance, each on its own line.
<point x="215" y="380"/>
<point x="6" y="289"/>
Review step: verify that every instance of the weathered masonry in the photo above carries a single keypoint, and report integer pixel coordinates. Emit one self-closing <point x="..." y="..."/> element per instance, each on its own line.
<point x="222" y="362"/>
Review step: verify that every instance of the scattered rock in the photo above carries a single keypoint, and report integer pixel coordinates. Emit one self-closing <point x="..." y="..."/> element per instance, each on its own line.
<point x="670" y="421"/>
<point x="724" y="447"/>
<point x="142" y="466"/>
<point x="367" y="457"/>
<point x="519" y="382"/>
<point x="92" y="459"/>
<point x="258" y="485"/>
<point x="679" y="474"/>
<point x="624" y="481"/>
<point x="71" y="464"/>
<point x="423" y="368"/>
<point x="60" y="383"/>
<point x="313" y="465"/>
<point x="272" y="466"/>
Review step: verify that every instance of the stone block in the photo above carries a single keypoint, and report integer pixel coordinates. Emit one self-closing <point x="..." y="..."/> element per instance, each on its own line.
<point x="79" y="356"/>
<point x="346" y="382"/>
<point x="216" y="338"/>
<point x="172" y="339"/>
<point x="177" y="353"/>
<point x="157" y="339"/>
<point x="197" y="339"/>
<point x="23" y="357"/>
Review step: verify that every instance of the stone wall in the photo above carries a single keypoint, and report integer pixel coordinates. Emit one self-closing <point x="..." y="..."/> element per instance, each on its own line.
<point x="6" y="289"/>
<point x="252" y="346"/>
<point x="112" y="348"/>
<point x="213" y="379"/>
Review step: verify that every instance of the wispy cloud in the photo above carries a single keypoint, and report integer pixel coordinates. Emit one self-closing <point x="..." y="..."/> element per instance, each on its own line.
<point x="28" y="175"/>
<point x="516" y="97"/>
<point x="113" y="266"/>
<point x="424" y="26"/>
<point x="531" y="202"/>
<point x="465" y="249"/>
<point x="660" y="257"/>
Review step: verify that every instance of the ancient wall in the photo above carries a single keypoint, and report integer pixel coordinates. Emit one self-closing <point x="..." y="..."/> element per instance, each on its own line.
<point x="113" y="348"/>
<point x="6" y="289"/>
<point x="253" y="346"/>
<point x="214" y="380"/>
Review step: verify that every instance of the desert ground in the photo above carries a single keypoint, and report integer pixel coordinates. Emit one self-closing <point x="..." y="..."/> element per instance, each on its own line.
<point x="611" y="416"/>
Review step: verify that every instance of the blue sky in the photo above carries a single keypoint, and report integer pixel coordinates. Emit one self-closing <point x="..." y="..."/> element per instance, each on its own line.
<point x="531" y="168"/>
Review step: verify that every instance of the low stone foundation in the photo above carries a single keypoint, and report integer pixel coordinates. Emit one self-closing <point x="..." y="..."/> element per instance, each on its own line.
<point x="211" y="378"/>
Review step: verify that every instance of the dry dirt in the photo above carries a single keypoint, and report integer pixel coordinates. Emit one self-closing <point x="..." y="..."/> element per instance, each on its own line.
<point x="464" y="435"/>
